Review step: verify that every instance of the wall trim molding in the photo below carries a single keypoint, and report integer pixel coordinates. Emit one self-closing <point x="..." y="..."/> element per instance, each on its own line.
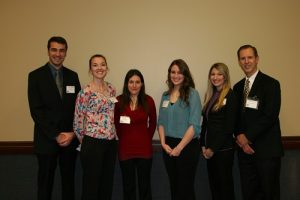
<point x="26" y="147"/>
<point x="16" y="147"/>
<point x="291" y="142"/>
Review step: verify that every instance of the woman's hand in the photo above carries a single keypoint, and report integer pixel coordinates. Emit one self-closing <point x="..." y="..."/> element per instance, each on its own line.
<point x="176" y="151"/>
<point x="167" y="148"/>
<point x="207" y="153"/>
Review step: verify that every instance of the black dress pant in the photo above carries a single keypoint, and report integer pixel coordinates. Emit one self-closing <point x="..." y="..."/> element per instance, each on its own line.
<point x="260" y="178"/>
<point x="220" y="177"/>
<point x="46" y="172"/>
<point x="98" y="158"/>
<point x="139" y="168"/>
<point x="182" y="169"/>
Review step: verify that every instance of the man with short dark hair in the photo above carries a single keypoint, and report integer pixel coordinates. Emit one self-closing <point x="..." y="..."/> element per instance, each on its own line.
<point x="258" y="129"/>
<point x="52" y="91"/>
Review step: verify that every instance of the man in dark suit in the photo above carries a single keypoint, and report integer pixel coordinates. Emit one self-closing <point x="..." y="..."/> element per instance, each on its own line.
<point x="258" y="132"/>
<point x="52" y="91"/>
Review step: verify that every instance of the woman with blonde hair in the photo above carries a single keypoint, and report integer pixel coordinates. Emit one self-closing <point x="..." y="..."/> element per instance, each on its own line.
<point x="217" y="141"/>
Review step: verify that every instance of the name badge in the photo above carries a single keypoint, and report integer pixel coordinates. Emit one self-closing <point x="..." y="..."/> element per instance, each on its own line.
<point x="224" y="101"/>
<point x="113" y="99"/>
<point x="124" y="120"/>
<point x="165" y="103"/>
<point x="70" y="89"/>
<point x="252" y="103"/>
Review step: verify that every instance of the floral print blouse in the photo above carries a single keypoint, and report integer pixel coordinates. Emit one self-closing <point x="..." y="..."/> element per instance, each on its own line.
<point x="94" y="113"/>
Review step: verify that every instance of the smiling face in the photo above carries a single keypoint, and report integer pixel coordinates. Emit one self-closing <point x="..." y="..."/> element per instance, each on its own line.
<point x="134" y="85"/>
<point x="248" y="61"/>
<point x="57" y="53"/>
<point x="176" y="76"/>
<point x="98" y="67"/>
<point x="217" y="79"/>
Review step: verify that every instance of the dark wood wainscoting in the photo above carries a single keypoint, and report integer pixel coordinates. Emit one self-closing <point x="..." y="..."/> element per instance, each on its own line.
<point x="16" y="147"/>
<point x="291" y="142"/>
<point x="26" y="147"/>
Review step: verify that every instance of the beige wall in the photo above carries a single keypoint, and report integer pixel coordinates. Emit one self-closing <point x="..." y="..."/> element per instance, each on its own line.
<point x="146" y="35"/>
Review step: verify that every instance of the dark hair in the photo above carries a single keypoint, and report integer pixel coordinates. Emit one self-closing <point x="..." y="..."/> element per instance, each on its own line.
<point x="57" y="39"/>
<point x="142" y="97"/>
<point x="188" y="81"/>
<point x="247" y="46"/>
<point x="96" y="56"/>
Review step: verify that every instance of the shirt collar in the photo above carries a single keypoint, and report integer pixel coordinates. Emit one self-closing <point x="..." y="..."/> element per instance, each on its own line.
<point x="53" y="69"/>
<point x="252" y="78"/>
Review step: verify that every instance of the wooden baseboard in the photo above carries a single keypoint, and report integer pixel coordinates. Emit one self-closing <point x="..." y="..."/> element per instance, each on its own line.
<point x="26" y="147"/>
<point x="291" y="142"/>
<point x="16" y="147"/>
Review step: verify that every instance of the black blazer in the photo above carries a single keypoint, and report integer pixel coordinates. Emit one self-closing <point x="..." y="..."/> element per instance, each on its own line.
<point x="261" y="125"/>
<point x="217" y="131"/>
<point x="51" y="113"/>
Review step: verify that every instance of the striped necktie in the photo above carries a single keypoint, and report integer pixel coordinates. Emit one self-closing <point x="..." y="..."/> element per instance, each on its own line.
<point x="246" y="90"/>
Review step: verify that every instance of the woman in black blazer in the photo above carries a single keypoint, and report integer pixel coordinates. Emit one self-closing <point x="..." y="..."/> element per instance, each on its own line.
<point x="217" y="141"/>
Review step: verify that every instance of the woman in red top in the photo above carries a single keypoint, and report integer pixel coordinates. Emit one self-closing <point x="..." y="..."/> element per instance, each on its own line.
<point x="135" y="120"/>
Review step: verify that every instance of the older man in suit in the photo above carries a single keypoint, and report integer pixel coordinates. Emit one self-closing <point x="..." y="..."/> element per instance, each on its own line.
<point x="52" y="91"/>
<point x="258" y="131"/>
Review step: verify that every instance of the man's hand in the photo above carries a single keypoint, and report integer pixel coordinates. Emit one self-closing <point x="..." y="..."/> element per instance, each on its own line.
<point x="248" y="150"/>
<point x="243" y="142"/>
<point x="65" y="138"/>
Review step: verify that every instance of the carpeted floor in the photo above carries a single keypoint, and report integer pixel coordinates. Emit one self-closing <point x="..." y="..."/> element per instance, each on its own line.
<point x="18" y="179"/>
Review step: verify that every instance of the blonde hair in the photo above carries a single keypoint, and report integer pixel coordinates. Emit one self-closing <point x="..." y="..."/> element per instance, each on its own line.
<point x="223" y="69"/>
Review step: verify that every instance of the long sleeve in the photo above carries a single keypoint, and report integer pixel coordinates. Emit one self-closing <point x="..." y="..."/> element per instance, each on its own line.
<point x="94" y="114"/>
<point x="135" y="135"/>
<point x="268" y="111"/>
<point x="195" y="111"/>
<point x="152" y="117"/>
<point x="177" y="118"/>
<point x="226" y="124"/>
<point x="231" y="114"/>
<point x="117" y="117"/>
<point x="260" y="121"/>
<point x="42" y="116"/>
<point x="79" y="115"/>
<point x="203" y="131"/>
<point x="162" y="116"/>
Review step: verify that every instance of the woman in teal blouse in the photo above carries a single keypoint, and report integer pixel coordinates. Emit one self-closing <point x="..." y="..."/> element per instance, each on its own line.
<point x="179" y="128"/>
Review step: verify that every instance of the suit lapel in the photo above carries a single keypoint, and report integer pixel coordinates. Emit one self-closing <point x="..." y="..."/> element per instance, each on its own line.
<point x="255" y="85"/>
<point x="240" y="88"/>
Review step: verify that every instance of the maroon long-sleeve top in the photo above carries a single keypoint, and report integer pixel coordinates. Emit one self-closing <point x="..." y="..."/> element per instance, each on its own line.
<point x="135" y="138"/>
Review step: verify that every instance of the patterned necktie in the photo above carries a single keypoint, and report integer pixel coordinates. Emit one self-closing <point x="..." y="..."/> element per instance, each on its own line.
<point x="246" y="90"/>
<point x="58" y="81"/>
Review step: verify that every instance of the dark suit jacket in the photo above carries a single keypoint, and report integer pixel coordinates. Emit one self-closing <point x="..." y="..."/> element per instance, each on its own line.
<point x="51" y="113"/>
<point x="261" y="125"/>
<point x="217" y="131"/>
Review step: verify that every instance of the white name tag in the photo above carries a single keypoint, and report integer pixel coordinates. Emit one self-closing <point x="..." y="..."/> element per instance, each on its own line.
<point x="165" y="103"/>
<point x="224" y="101"/>
<point x="250" y="103"/>
<point x="124" y="120"/>
<point x="70" y="89"/>
<point x="113" y="99"/>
